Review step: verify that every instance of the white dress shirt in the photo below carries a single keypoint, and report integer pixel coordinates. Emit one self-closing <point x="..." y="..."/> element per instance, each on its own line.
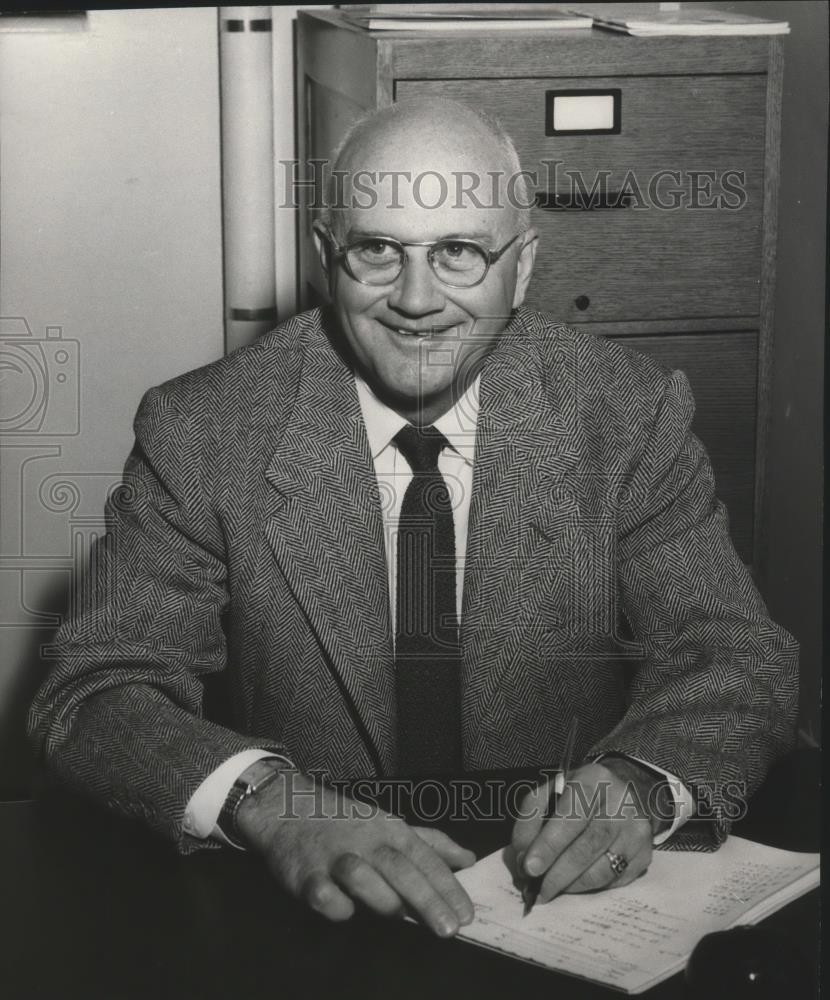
<point x="455" y="463"/>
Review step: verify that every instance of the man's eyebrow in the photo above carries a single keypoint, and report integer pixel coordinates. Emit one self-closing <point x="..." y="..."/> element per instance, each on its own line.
<point x="366" y="234"/>
<point x="478" y="237"/>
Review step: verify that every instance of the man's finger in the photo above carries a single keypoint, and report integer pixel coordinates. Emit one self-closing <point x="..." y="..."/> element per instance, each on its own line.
<point x="322" y="895"/>
<point x="601" y="875"/>
<point x="585" y="865"/>
<point x="440" y="876"/>
<point x="362" y="882"/>
<point x="531" y="817"/>
<point x="577" y="857"/>
<point x="445" y="847"/>
<point x="556" y="835"/>
<point x="415" y="889"/>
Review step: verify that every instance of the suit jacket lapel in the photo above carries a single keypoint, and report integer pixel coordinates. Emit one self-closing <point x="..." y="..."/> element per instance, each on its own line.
<point x="523" y="512"/>
<point x="326" y="532"/>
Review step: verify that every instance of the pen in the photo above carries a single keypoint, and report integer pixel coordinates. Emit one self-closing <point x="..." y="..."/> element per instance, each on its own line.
<point x="532" y="884"/>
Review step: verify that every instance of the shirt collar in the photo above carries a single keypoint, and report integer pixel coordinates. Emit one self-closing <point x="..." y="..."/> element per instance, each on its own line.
<point x="458" y="425"/>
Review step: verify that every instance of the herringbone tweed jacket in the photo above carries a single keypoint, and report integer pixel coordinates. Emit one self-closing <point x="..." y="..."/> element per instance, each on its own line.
<point x="599" y="580"/>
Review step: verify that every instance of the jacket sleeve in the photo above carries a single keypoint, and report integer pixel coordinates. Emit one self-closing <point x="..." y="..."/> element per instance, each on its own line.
<point x="715" y="694"/>
<point x="120" y="715"/>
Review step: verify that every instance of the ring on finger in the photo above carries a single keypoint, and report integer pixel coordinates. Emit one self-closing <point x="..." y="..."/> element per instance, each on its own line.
<point x="618" y="862"/>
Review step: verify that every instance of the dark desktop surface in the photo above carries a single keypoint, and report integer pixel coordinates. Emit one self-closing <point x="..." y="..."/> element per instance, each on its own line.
<point x="96" y="908"/>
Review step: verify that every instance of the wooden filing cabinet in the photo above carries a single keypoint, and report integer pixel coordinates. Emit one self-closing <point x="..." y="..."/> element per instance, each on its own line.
<point x="674" y="255"/>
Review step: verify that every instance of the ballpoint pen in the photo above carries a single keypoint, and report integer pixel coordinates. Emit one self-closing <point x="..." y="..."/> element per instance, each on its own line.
<point x="532" y="884"/>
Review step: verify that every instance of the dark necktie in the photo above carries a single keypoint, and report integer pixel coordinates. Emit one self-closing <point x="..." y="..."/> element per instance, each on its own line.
<point x="427" y="653"/>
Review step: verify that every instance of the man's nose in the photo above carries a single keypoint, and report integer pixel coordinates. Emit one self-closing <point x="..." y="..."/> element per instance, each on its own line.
<point x="417" y="291"/>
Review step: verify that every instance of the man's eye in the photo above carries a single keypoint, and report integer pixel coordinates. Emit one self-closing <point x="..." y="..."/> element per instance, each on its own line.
<point x="458" y="256"/>
<point x="455" y="249"/>
<point x="375" y="252"/>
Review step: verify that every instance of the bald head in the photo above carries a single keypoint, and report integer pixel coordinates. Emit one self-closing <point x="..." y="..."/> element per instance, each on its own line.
<point x="443" y="154"/>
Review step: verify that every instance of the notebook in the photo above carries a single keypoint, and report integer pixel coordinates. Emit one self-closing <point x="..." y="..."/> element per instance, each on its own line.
<point x="635" y="937"/>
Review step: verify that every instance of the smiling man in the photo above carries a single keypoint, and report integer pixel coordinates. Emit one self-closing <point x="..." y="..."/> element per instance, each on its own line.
<point x="409" y="528"/>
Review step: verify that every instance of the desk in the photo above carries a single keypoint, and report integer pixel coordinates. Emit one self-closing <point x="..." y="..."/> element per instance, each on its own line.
<point x="95" y="908"/>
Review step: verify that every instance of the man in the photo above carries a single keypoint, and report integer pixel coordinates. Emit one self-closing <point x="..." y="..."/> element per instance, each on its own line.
<point x="312" y="514"/>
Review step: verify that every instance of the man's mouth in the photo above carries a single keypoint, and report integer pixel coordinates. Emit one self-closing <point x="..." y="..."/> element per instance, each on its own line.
<point x="418" y="331"/>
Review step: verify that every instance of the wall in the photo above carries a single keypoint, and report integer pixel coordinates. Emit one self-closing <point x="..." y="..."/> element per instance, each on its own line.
<point x="795" y="464"/>
<point x="110" y="230"/>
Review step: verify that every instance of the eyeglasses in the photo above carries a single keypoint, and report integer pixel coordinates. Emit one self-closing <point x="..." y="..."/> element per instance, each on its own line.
<point x="378" y="260"/>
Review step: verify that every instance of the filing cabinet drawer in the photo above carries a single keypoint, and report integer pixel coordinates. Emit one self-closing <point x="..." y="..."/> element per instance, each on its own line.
<point x="721" y="369"/>
<point x="676" y="227"/>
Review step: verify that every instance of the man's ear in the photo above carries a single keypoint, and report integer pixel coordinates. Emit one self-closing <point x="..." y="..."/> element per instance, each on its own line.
<point x="322" y="245"/>
<point x="524" y="266"/>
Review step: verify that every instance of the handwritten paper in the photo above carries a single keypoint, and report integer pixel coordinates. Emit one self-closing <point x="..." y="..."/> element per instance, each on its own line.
<point x="636" y="936"/>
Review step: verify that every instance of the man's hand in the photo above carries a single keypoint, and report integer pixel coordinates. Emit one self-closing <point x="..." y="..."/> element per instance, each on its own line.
<point x="604" y="807"/>
<point x="334" y="852"/>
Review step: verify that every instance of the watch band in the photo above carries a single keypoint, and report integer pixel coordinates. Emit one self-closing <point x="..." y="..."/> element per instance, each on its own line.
<point x="240" y="791"/>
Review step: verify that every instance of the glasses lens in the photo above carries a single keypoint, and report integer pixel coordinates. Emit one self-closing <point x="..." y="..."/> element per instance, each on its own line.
<point x="458" y="263"/>
<point x="375" y="262"/>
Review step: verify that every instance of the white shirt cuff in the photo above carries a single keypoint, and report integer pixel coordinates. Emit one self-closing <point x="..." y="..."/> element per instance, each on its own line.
<point x="202" y="811"/>
<point x="683" y="804"/>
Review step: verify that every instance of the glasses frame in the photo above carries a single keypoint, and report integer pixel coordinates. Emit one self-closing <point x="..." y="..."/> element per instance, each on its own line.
<point x="339" y="252"/>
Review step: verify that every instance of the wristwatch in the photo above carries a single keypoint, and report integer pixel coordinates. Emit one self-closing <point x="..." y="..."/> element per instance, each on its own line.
<point x="243" y="789"/>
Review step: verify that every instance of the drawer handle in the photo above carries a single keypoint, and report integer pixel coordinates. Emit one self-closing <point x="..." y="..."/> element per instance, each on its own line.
<point x="577" y="201"/>
<point x="582" y="302"/>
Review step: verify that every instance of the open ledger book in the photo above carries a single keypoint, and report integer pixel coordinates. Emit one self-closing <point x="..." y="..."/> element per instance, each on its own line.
<point x="635" y="937"/>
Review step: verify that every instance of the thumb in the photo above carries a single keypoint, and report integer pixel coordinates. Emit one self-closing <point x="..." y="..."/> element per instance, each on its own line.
<point x="445" y="847"/>
<point x="531" y="816"/>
